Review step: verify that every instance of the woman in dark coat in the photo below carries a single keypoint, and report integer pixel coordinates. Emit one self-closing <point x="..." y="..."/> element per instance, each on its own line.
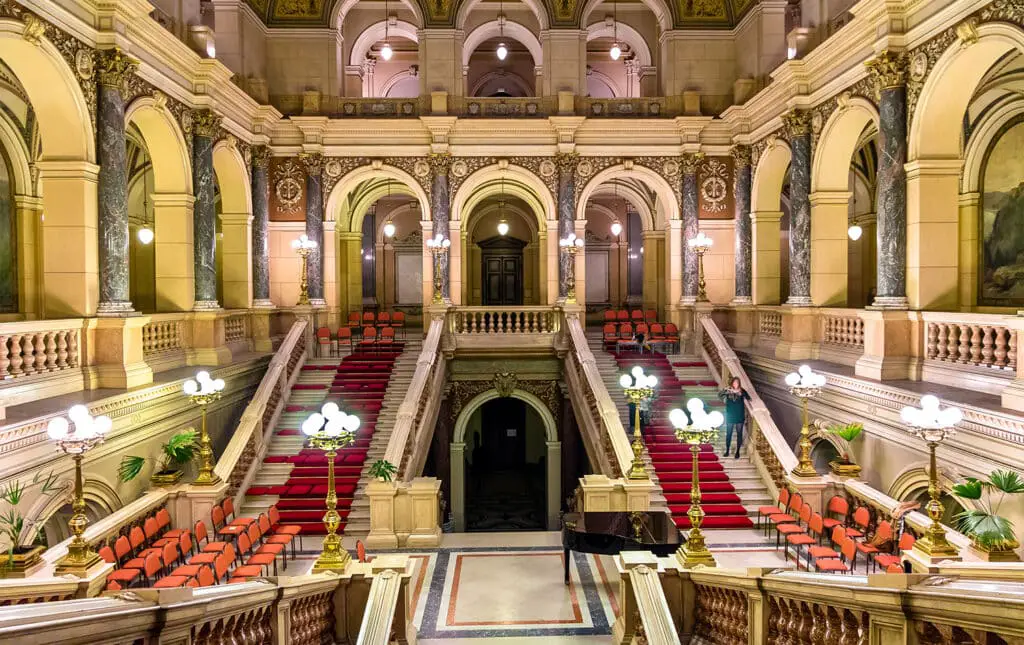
<point x="735" y="413"/>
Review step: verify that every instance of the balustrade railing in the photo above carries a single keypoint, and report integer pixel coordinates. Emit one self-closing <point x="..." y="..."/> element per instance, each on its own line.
<point x="236" y="327"/>
<point x="842" y="328"/>
<point x="163" y="333"/>
<point x="385" y="609"/>
<point x="769" y="323"/>
<point x="39" y="347"/>
<point x="505" y="320"/>
<point x="963" y="339"/>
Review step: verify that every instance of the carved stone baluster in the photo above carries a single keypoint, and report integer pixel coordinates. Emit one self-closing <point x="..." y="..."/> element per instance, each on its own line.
<point x="39" y="351"/>
<point x="986" y="346"/>
<point x="1000" y="352"/>
<point x="16" y="359"/>
<point x="51" y="351"/>
<point x="28" y="365"/>
<point x="789" y="629"/>
<point x="1011" y="353"/>
<point x="62" y="349"/>
<point x="5" y="360"/>
<point x="774" y="619"/>
<point x="932" y="348"/>
<point x="806" y="623"/>
<point x="818" y="626"/>
<point x="964" y="346"/>
<point x="942" y="341"/>
<point x="975" y="345"/>
<point x="865" y="629"/>
<point x="851" y="629"/>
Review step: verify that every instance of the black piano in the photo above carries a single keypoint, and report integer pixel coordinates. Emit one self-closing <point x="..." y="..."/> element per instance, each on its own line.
<point x="609" y="533"/>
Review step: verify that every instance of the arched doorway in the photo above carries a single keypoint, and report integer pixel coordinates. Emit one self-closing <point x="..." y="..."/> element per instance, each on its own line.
<point x="506" y="464"/>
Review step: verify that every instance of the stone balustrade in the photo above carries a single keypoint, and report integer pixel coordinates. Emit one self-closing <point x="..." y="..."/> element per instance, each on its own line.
<point x="842" y="328"/>
<point x="38" y="347"/>
<point x="978" y="341"/>
<point x="769" y="322"/>
<point x="236" y="326"/>
<point x="505" y="320"/>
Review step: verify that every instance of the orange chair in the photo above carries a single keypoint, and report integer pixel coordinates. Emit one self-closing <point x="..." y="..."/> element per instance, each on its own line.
<point x="344" y="338"/>
<point x="626" y="331"/>
<point x="811" y="537"/>
<point x="163" y="523"/>
<point x="217" y="517"/>
<point x="355" y="321"/>
<point x="203" y="578"/>
<point x="887" y="560"/>
<point x="367" y="319"/>
<point x="122" y="549"/>
<point x="609" y="316"/>
<point x="822" y="552"/>
<point x="398" y="321"/>
<point x="151" y="529"/>
<point x="369" y="338"/>
<point x="275" y="548"/>
<point x="788" y="529"/>
<point x="622" y="315"/>
<point x="384" y="319"/>
<point x="861" y="519"/>
<point x="125" y="576"/>
<point x="361" y="551"/>
<point x="107" y="554"/>
<point x="642" y="328"/>
<point x="672" y="334"/>
<point x="611" y="333"/>
<point x="228" y="506"/>
<point x="636" y="315"/>
<point x="650" y="316"/>
<point x="765" y="511"/>
<point x="323" y="337"/>
<point x="836" y="513"/>
<point x="657" y="333"/>
<point x="894" y="568"/>
<point x="883" y="534"/>
<point x="796" y="502"/>
<point x="281" y="533"/>
<point x="387" y="338"/>
<point x="848" y="563"/>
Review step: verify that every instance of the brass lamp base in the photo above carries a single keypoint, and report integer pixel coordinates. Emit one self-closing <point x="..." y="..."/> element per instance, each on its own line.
<point x="333" y="558"/>
<point x="206" y="478"/>
<point x="698" y="555"/>
<point x="77" y="565"/>
<point x="936" y="549"/>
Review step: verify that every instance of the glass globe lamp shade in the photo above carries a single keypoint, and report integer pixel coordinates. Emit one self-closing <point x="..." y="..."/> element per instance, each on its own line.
<point x="145" y="235"/>
<point x="389" y="229"/>
<point x="502" y="51"/>
<point x="616" y="228"/>
<point x="386" y="52"/>
<point x="502" y="227"/>
<point x="615" y="51"/>
<point x="855" y="232"/>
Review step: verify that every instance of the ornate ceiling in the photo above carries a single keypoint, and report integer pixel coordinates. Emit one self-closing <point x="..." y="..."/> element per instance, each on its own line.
<point x="566" y="13"/>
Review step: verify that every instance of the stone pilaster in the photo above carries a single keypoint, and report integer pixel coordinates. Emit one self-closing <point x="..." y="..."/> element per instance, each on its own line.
<point x="741" y="195"/>
<point x="440" y="207"/>
<point x="691" y="225"/>
<point x="114" y="70"/>
<point x="205" y="125"/>
<point x="566" y="214"/>
<point x="260" y="219"/>
<point x="314" y="164"/>
<point x="889" y="72"/>
<point x="798" y="123"/>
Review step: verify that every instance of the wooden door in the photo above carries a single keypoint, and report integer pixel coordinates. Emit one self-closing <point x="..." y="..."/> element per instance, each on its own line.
<point x="502" y="271"/>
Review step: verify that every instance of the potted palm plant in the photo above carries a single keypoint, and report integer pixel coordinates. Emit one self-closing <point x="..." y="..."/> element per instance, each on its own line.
<point x="843" y="435"/>
<point x="383" y="470"/>
<point x="992" y="536"/>
<point x="22" y="551"/>
<point x="179" y="451"/>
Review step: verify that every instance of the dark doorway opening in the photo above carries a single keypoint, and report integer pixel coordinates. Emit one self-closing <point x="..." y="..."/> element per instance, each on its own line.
<point x="502" y="270"/>
<point x="506" y="466"/>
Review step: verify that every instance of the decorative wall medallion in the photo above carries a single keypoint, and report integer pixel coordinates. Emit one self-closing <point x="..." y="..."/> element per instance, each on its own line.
<point x="421" y="168"/>
<point x="186" y="122"/>
<point x="460" y="168"/>
<point x="505" y="383"/>
<point x="712" y="186"/>
<point x="333" y="168"/>
<point x="288" y="186"/>
<point x="584" y="169"/>
<point x="918" y="67"/>
<point x="817" y="122"/>
<point x="84" y="64"/>
<point x="547" y="168"/>
<point x="670" y="168"/>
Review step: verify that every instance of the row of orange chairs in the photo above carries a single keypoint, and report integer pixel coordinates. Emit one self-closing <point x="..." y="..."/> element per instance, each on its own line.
<point x="378" y="319"/>
<point x="806" y="529"/>
<point x="371" y="339"/>
<point x="654" y="333"/>
<point x="634" y="316"/>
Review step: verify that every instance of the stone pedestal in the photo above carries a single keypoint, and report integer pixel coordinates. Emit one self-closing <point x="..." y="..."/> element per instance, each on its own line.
<point x="382" y="515"/>
<point x="744" y="325"/>
<point x="116" y="353"/>
<point x="259" y="321"/>
<point x="208" y="346"/>
<point x="188" y="504"/>
<point x="425" y="530"/>
<point x="813" y="489"/>
<point x="601" y="493"/>
<point x="798" y="328"/>
<point x="922" y="563"/>
<point x="889" y="345"/>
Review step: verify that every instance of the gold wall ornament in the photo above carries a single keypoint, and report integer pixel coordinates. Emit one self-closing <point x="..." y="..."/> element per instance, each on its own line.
<point x="888" y="69"/>
<point x="713" y="187"/>
<point x="505" y="383"/>
<point x="288" y="185"/>
<point x="34" y="29"/>
<point x="85" y="64"/>
<point x="691" y="162"/>
<point x="740" y="156"/>
<point x="114" y="67"/>
<point x="313" y="162"/>
<point x="205" y="123"/>
<point x="797" y="123"/>
<point x="967" y="32"/>
<point x="566" y="161"/>
<point x="261" y="156"/>
<point x="440" y="162"/>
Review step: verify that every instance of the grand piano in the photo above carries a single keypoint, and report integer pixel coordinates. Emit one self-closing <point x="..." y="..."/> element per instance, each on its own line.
<point x="612" y="532"/>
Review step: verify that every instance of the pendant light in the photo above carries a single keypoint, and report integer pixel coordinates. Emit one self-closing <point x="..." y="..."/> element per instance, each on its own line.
<point x="502" y="50"/>
<point x="145" y="233"/>
<point x="616" y="51"/>
<point x="385" y="51"/>
<point x="502" y="224"/>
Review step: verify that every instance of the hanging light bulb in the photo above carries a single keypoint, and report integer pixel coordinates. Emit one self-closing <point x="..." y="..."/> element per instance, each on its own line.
<point x="855" y="232"/>
<point x="145" y="235"/>
<point x="616" y="228"/>
<point x="615" y="52"/>
<point x="386" y="52"/>
<point x="389" y="229"/>
<point x="502" y="227"/>
<point x="502" y="51"/>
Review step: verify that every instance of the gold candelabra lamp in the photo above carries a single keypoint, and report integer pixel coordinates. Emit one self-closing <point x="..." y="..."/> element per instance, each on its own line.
<point x="203" y="391"/>
<point x="639" y="388"/>
<point x="805" y="384"/>
<point x="701" y="244"/>
<point x="438" y="247"/>
<point x="330" y="430"/>
<point x="571" y="245"/>
<point x="699" y="428"/>
<point x="304" y="246"/>
<point x="934" y="425"/>
<point x="89" y="432"/>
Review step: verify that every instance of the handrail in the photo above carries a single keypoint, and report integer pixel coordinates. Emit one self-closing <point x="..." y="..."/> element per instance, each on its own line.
<point x="655" y="617"/>
<point x="716" y="347"/>
<point x="405" y="420"/>
<point x="918" y="522"/>
<point x="381" y="607"/>
<point x="250" y="439"/>
<point x="606" y="410"/>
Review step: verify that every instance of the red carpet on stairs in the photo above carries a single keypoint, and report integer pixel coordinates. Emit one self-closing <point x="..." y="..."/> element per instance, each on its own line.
<point x="359" y="385"/>
<point x="672" y="459"/>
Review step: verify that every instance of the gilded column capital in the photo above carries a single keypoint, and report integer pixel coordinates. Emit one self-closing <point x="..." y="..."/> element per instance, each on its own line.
<point x="440" y="162"/>
<point x="205" y="123"/>
<point x="690" y="162"/>
<point x="797" y="122"/>
<point x="566" y="161"/>
<point x="114" y="68"/>
<point x="741" y="156"/>
<point x="888" y="69"/>
<point x="261" y="156"/>
<point x="313" y="162"/>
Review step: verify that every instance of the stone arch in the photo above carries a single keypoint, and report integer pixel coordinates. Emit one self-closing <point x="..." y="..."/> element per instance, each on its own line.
<point x="659" y="8"/>
<point x="458" y="450"/>
<point x="399" y="80"/>
<point x="499" y="79"/>
<point x="18" y="157"/>
<point x="165" y="145"/>
<point x="626" y="34"/>
<point x="614" y="89"/>
<point x="766" y="215"/>
<point x="234" y="181"/>
<point x="100" y="497"/>
<point x="514" y="30"/>
<point x="914" y="479"/>
<point x="537" y="7"/>
<point x="375" y="33"/>
<point x="341" y="9"/>
<point x="629" y="193"/>
<point x="668" y="207"/>
<point x="983" y="136"/>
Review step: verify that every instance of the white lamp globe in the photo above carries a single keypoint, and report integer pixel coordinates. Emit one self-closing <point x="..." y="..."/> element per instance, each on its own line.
<point x="950" y="417"/>
<point x="218" y="384"/>
<point x="792" y="379"/>
<point x="351" y="423"/>
<point x="930" y="402"/>
<point x="695" y="405"/>
<point x="909" y="415"/>
<point x="625" y="380"/>
<point x="191" y="387"/>
<point x="616" y="228"/>
<point x="58" y="428"/>
<point x="804" y="370"/>
<point x="715" y="419"/>
<point x="386" y="52"/>
<point x="855" y="232"/>
<point x="145" y="235"/>
<point x="503" y="228"/>
<point x="79" y="414"/>
<point x="446" y="243"/>
<point x="313" y="424"/>
<point x="103" y="424"/>
<point x="329" y="409"/>
<point x="652" y="381"/>
<point x="615" y="52"/>
<point x="203" y="376"/>
<point x="502" y="51"/>
<point x="678" y="418"/>
<point x="389" y="229"/>
<point x="637" y="371"/>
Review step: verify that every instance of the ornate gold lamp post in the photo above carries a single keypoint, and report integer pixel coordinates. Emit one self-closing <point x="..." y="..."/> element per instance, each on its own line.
<point x="805" y="384"/>
<point x="701" y="244"/>
<point x="700" y="428"/>
<point x="330" y="430"/>
<point x="639" y="387"/>
<point x="304" y="246"/>
<point x="88" y="433"/>
<point x="203" y="391"/>
<point x="438" y="247"/>
<point x="571" y="245"/>
<point x="933" y="424"/>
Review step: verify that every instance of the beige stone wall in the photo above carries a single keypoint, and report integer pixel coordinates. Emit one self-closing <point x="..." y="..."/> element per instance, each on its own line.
<point x="304" y="60"/>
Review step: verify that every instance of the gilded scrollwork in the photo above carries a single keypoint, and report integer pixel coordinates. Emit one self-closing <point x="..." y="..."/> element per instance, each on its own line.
<point x="505" y="383"/>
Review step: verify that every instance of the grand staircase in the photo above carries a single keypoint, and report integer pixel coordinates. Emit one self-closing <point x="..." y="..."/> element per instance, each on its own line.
<point x="294" y="476"/>
<point x="731" y="488"/>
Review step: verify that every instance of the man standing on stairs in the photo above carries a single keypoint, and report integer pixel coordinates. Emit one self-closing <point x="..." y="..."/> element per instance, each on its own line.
<point x="735" y="413"/>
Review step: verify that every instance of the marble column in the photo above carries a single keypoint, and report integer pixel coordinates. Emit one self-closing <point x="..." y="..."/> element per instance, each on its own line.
<point x="440" y="209"/>
<point x="314" y="164"/>
<point x="889" y="72"/>
<point x="691" y="225"/>
<point x="205" y="126"/>
<point x="566" y="215"/>
<point x="260" y="220"/>
<point x="114" y="69"/>
<point x="798" y="124"/>
<point x="743" y="238"/>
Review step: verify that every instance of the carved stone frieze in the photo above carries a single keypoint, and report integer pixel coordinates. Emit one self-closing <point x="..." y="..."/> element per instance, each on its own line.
<point x="670" y="168"/>
<point x="505" y="383"/>
<point x="337" y="167"/>
<point x="822" y="112"/>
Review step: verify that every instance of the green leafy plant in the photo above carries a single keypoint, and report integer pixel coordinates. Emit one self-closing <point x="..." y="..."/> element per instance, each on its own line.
<point x="843" y="435"/>
<point x="383" y="470"/>
<point x="12" y="521"/>
<point x="177" y="453"/>
<point x="984" y="525"/>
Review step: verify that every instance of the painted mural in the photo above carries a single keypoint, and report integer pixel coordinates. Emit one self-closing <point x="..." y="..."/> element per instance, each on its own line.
<point x="1001" y="271"/>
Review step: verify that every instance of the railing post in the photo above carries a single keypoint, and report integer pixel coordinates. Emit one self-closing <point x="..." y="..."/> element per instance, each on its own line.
<point x="116" y="353"/>
<point x="628" y="622"/>
<point x="799" y="330"/>
<point x="892" y="342"/>
<point x="208" y="342"/>
<point x="259" y="321"/>
<point x="744" y="325"/>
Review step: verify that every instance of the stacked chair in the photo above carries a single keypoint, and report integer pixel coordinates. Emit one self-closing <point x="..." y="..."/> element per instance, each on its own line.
<point x="621" y="325"/>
